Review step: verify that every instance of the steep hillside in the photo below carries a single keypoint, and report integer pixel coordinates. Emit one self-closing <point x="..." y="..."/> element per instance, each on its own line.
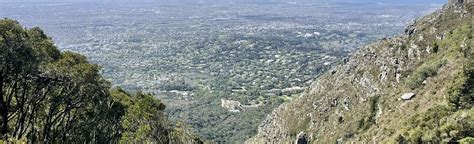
<point x="432" y="67"/>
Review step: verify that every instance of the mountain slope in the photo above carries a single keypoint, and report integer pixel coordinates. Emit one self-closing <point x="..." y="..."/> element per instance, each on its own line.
<point x="360" y="100"/>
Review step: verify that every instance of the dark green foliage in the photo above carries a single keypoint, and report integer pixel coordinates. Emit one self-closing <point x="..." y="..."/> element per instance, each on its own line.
<point x="51" y="96"/>
<point x="435" y="47"/>
<point x="48" y="96"/>
<point x="461" y="92"/>
<point x="367" y="122"/>
<point x="144" y="120"/>
<point x="425" y="71"/>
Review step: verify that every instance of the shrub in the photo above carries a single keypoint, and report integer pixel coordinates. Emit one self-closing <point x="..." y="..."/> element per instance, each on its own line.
<point x="461" y="90"/>
<point x="435" y="47"/>
<point x="468" y="140"/>
<point x="425" y="71"/>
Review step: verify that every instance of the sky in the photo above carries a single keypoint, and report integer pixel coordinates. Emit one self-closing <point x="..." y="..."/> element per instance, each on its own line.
<point x="226" y="1"/>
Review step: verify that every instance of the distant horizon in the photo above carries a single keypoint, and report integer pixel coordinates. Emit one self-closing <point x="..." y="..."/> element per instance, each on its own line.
<point x="234" y="1"/>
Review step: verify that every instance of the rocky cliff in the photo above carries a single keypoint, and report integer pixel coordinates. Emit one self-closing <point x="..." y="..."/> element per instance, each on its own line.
<point x="460" y="1"/>
<point x="418" y="87"/>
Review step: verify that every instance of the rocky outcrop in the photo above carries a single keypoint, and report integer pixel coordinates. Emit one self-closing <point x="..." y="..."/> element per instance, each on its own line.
<point x="457" y="2"/>
<point x="358" y="101"/>
<point x="301" y="139"/>
<point x="233" y="106"/>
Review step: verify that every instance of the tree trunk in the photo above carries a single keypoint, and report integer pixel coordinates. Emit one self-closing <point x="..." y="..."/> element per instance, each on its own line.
<point x="3" y="109"/>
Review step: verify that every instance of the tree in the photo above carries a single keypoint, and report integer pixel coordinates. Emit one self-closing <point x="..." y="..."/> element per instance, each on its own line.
<point x="145" y="121"/>
<point x="50" y="96"/>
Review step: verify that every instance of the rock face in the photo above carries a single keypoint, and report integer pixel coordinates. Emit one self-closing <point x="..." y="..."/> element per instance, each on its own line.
<point x="460" y="1"/>
<point x="358" y="101"/>
<point x="407" y="96"/>
<point x="301" y="138"/>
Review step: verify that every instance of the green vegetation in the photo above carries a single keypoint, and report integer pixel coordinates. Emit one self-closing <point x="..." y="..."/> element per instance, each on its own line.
<point x="441" y="123"/>
<point x="461" y="91"/>
<point x="456" y="39"/>
<point x="59" y="97"/>
<point x="366" y="122"/>
<point x="453" y="122"/>
<point x="212" y="121"/>
<point x="364" y="101"/>
<point x="299" y="127"/>
<point x="468" y="140"/>
<point x="424" y="72"/>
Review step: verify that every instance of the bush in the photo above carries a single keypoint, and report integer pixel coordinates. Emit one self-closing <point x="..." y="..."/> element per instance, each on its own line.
<point x="435" y="47"/>
<point x="425" y="71"/>
<point x="468" y="140"/>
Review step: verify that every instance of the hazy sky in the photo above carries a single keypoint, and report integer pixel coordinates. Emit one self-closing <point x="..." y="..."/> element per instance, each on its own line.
<point x="225" y="1"/>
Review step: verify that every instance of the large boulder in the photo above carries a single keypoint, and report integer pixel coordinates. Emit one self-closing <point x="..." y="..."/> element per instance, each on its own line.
<point x="408" y="96"/>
